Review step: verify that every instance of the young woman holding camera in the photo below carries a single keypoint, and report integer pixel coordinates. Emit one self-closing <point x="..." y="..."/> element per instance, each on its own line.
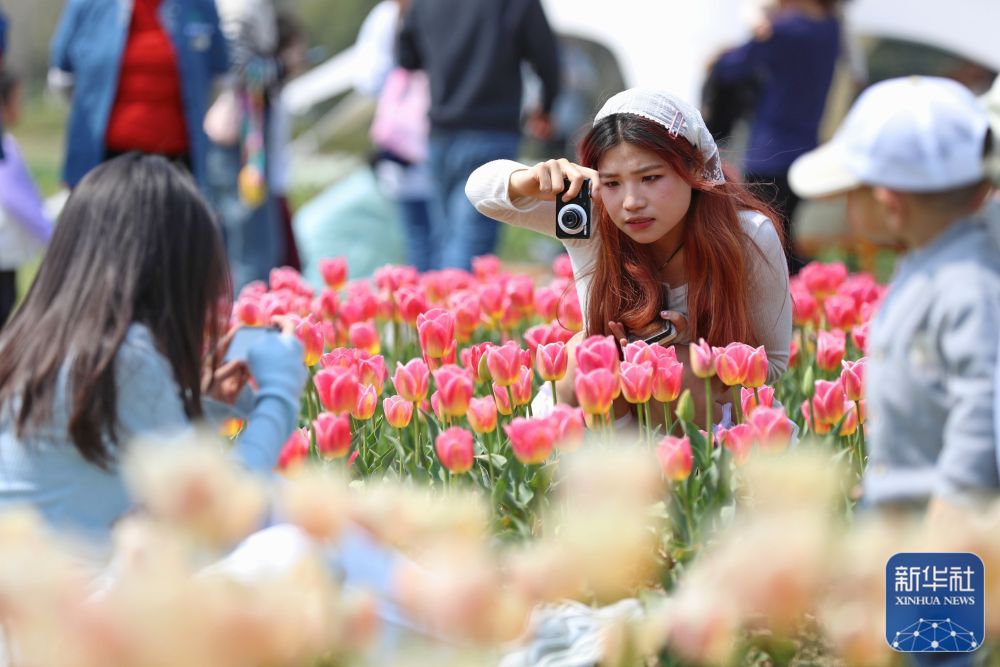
<point x="110" y="345"/>
<point x="671" y="238"/>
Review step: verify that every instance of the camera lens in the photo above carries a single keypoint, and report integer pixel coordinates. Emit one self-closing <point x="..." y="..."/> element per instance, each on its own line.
<point x="571" y="219"/>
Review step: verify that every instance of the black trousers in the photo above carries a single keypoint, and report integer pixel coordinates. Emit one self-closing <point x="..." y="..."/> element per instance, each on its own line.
<point x="776" y="191"/>
<point x="8" y="294"/>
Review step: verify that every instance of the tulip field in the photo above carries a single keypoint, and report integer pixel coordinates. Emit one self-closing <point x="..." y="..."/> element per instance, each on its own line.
<point x="430" y="422"/>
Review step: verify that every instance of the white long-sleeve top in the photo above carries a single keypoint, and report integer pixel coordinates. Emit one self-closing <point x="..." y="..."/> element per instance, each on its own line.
<point x="770" y="300"/>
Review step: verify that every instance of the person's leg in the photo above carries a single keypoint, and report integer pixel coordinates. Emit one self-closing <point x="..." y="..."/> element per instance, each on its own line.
<point x="8" y="295"/>
<point x="442" y="232"/>
<point x="417" y="222"/>
<point x="473" y="234"/>
<point x="253" y="236"/>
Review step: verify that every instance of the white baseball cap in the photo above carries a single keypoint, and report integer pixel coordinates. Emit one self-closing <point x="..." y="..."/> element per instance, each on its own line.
<point x="913" y="134"/>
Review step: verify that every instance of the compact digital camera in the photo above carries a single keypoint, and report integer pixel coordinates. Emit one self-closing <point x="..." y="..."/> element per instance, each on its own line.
<point x="573" y="216"/>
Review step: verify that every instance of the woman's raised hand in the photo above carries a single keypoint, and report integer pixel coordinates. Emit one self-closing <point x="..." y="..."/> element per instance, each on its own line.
<point x="545" y="180"/>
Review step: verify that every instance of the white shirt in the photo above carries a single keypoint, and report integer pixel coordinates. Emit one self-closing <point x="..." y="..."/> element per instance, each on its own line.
<point x="770" y="301"/>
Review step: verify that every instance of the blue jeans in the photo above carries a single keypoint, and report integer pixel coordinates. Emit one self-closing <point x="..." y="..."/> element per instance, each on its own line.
<point x="416" y="216"/>
<point x="460" y="232"/>
<point x="254" y="240"/>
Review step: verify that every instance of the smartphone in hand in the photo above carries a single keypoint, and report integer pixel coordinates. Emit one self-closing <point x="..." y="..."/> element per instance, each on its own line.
<point x="245" y="338"/>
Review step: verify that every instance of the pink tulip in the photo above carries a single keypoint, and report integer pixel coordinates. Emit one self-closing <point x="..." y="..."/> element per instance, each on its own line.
<point x="563" y="267"/>
<point x="334" y="272"/>
<point x="491" y="296"/>
<point x="531" y="440"/>
<point x="253" y="291"/>
<point x="772" y="428"/>
<point x="248" y="313"/>
<point x="338" y="389"/>
<point x="703" y="362"/>
<point x="640" y="351"/>
<point x="398" y="411"/>
<point x="859" y="335"/>
<point x="468" y="314"/>
<point x="793" y="352"/>
<point x="552" y="361"/>
<point x="482" y="415"/>
<point x="364" y="336"/>
<point x="411" y="303"/>
<point x="326" y="305"/>
<point x="675" y="457"/>
<point x="340" y="357"/>
<point x="852" y="377"/>
<point x="748" y="401"/>
<point x="333" y="435"/>
<point x="520" y="391"/>
<point x="364" y="409"/>
<point x="805" y="307"/>
<point x="636" y="381"/>
<point x="569" y="426"/>
<point x="817" y="427"/>
<point x="289" y="280"/>
<point x="502" y="398"/>
<point x="437" y="407"/>
<point x="547" y="303"/>
<point x="841" y="311"/>
<point x="850" y="423"/>
<point x="372" y="371"/>
<point x="739" y="440"/>
<point x="474" y="360"/>
<point x="756" y="368"/>
<point x="412" y="380"/>
<point x="569" y="313"/>
<point x="521" y="290"/>
<point x="295" y="450"/>
<point x="485" y="267"/>
<point x="828" y="402"/>
<point x="311" y="336"/>
<point x="510" y="317"/>
<point x="830" y="349"/>
<point x="504" y="362"/>
<point x="436" y="330"/>
<point x="596" y="390"/>
<point x="390" y="278"/>
<point x="823" y="279"/>
<point x="454" y="449"/>
<point x="455" y="388"/>
<point x="597" y="352"/>
<point x="667" y="381"/>
<point x="732" y="363"/>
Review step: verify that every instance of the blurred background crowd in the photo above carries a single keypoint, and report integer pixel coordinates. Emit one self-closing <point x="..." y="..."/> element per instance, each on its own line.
<point x="311" y="129"/>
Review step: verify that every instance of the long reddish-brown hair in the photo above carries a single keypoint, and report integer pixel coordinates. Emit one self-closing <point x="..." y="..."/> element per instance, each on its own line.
<point x="717" y="251"/>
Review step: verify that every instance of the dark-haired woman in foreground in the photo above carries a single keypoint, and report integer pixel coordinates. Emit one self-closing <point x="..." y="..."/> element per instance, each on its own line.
<point x="110" y="344"/>
<point x="668" y="227"/>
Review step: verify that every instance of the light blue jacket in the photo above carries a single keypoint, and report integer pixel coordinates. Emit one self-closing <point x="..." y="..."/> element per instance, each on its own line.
<point x="45" y="470"/>
<point x="88" y="45"/>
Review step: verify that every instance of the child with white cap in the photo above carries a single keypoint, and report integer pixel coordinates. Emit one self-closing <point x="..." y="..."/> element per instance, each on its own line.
<point x="910" y="156"/>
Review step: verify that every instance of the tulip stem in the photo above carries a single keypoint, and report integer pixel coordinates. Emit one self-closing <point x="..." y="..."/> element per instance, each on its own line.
<point x="708" y="412"/>
<point x="555" y="397"/>
<point x="668" y="421"/>
<point x="737" y="405"/>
